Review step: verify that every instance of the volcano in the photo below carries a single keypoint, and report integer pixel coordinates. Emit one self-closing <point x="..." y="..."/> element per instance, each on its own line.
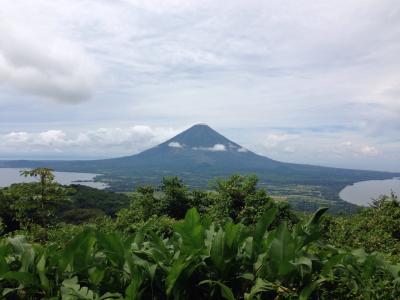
<point x="199" y="154"/>
<point x="199" y="147"/>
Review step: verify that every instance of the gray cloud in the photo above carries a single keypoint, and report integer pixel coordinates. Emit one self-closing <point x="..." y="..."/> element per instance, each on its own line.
<point x="38" y="62"/>
<point x="252" y="66"/>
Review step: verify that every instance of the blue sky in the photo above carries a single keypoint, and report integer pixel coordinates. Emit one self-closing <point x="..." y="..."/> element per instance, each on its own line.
<point x="300" y="81"/>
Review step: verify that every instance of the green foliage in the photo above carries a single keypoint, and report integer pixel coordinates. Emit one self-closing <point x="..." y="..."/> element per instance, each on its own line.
<point x="234" y="193"/>
<point x="6" y="213"/>
<point x="32" y="203"/>
<point x="376" y="228"/>
<point x="46" y="203"/>
<point x="200" y="260"/>
<point x="176" y="200"/>
<point x="84" y="197"/>
<point x="233" y="242"/>
<point x="82" y="215"/>
<point x="240" y="199"/>
<point x="128" y="223"/>
<point x="2" y="226"/>
<point x="171" y="199"/>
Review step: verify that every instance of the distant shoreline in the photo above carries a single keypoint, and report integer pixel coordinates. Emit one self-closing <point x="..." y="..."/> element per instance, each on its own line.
<point x="10" y="176"/>
<point x="363" y="192"/>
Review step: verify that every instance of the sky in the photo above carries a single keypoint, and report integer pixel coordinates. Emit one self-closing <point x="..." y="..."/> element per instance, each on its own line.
<point x="301" y="81"/>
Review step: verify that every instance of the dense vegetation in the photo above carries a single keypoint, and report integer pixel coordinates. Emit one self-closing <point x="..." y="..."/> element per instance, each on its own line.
<point x="232" y="241"/>
<point x="376" y="228"/>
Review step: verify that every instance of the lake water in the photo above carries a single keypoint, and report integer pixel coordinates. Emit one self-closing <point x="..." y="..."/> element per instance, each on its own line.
<point x="362" y="193"/>
<point x="9" y="176"/>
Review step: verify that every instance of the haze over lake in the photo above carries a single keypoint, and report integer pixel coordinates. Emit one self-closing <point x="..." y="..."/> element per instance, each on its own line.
<point x="362" y="193"/>
<point x="9" y="176"/>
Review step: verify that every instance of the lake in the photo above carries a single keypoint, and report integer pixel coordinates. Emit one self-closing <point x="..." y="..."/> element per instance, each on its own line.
<point x="362" y="193"/>
<point x="9" y="176"/>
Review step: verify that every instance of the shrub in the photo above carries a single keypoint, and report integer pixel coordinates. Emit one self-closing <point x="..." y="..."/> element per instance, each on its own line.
<point x="200" y="260"/>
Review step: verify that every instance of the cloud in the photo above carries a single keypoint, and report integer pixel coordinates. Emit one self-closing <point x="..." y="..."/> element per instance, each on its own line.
<point x="161" y="6"/>
<point x="101" y="142"/>
<point x="347" y="143"/>
<point x="329" y="147"/>
<point x="175" y="145"/>
<point x="218" y="148"/>
<point x="242" y="150"/>
<point x="215" y="148"/>
<point x="369" y="150"/>
<point x="289" y="149"/>
<point x="40" y="62"/>
<point x="275" y="64"/>
<point x="51" y="137"/>
<point x="274" y="139"/>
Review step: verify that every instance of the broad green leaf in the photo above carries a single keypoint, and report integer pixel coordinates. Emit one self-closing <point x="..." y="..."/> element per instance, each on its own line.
<point x="282" y="250"/>
<point x="133" y="290"/>
<point x="316" y="217"/>
<point x="41" y="268"/>
<point x="71" y="290"/>
<point x="191" y="230"/>
<point x="262" y="227"/>
<point x="24" y="278"/>
<point x="96" y="275"/>
<point x="309" y="289"/>
<point x="113" y="246"/>
<point x="174" y="273"/>
<point x="78" y="250"/>
<point x="226" y="292"/>
<point x="3" y="263"/>
<point x="217" y="252"/>
<point x="231" y="233"/>
<point x="260" y="286"/>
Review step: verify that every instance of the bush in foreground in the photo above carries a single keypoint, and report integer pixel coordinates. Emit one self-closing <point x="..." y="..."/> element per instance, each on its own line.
<point x="200" y="260"/>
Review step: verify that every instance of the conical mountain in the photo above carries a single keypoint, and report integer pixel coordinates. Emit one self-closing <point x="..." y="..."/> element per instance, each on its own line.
<point x="199" y="154"/>
<point x="200" y="135"/>
<point x="200" y="146"/>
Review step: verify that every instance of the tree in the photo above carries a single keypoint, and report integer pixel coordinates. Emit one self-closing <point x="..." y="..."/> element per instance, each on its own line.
<point x="234" y="191"/>
<point x="46" y="177"/>
<point x="144" y="205"/>
<point x="176" y="197"/>
<point x="240" y="199"/>
<point x="35" y="202"/>
<point x="7" y="214"/>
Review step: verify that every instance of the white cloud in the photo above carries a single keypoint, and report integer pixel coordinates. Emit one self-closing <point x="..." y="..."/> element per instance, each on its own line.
<point x="369" y="150"/>
<point x="215" y="148"/>
<point x="51" y="137"/>
<point x="16" y="137"/>
<point x="242" y="150"/>
<point x="104" y="142"/>
<point x="175" y="145"/>
<point x="218" y="148"/>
